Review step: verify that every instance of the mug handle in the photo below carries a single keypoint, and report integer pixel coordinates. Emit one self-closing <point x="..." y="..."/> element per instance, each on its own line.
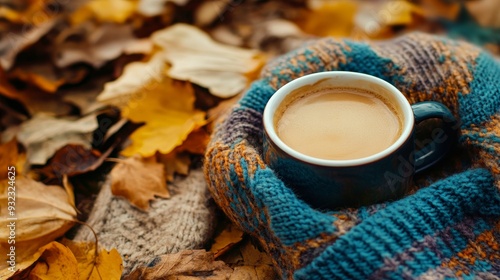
<point x="443" y="138"/>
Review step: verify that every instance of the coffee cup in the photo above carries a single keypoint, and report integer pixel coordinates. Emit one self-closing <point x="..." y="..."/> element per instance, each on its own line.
<point x="346" y="139"/>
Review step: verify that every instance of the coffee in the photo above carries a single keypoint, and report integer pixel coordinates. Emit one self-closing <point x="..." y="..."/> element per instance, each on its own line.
<point x="337" y="123"/>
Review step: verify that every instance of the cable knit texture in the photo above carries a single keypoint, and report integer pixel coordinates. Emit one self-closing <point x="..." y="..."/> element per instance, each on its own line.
<point x="447" y="227"/>
<point x="185" y="221"/>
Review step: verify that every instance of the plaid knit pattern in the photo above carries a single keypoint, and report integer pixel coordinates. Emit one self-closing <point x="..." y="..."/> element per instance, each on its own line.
<point x="448" y="228"/>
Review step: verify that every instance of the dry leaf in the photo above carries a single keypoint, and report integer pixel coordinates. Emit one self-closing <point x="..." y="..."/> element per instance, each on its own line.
<point x="117" y="11"/>
<point x="72" y="160"/>
<point x="485" y="12"/>
<point x="52" y="261"/>
<point x="253" y="256"/>
<point x="44" y="135"/>
<point x="92" y="266"/>
<point x="209" y="11"/>
<point x="254" y="272"/>
<point x="330" y="18"/>
<point x="6" y="89"/>
<point x="375" y="20"/>
<point x="175" y="163"/>
<point x="249" y="262"/>
<point x="224" y="70"/>
<point x="9" y="157"/>
<point x="229" y="237"/>
<point x="70" y="260"/>
<point x="43" y="213"/>
<point x="57" y="262"/>
<point x="13" y="43"/>
<point x="136" y="78"/>
<point x="138" y="181"/>
<point x="37" y="101"/>
<point x="84" y="95"/>
<point x="92" y="44"/>
<point x="179" y="160"/>
<point x="22" y="12"/>
<point x="167" y="108"/>
<point x="441" y="9"/>
<point x="46" y="76"/>
<point x="195" y="143"/>
<point x="183" y="266"/>
<point x="151" y="8"/>
<point x="68" y="187"/>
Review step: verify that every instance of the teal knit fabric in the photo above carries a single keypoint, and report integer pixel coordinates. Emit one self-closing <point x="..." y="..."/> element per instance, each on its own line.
<point x="447" y="227"/>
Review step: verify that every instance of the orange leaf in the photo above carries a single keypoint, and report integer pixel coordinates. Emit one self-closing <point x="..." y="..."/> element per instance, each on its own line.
<point x="139" y="181"/>
<point x="331" y="18"/>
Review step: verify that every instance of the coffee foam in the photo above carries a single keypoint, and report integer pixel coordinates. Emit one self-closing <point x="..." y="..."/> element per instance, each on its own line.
<point x="337" y="123"/>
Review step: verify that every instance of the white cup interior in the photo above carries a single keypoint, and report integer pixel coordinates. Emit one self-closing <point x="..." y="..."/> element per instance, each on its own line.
<point x="340" y="79"/>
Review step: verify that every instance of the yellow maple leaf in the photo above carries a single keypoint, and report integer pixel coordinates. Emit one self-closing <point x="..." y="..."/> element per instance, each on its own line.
<point x="70" y="260"/>
<point x="92" y="266"/>
<point x="57" y="262"/>
<point x="330" y="18"/>
<point x="169" y="113"/>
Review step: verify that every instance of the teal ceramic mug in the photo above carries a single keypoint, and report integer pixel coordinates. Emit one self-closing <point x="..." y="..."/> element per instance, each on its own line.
<point x="384" y="175"/>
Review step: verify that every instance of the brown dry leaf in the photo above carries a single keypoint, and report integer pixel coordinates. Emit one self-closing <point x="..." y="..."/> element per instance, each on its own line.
<point x="13" y="43"/>
<point x="441" y="9"/>
<point x="485" y="12"/>
<point x="247" y="272"/>
<point x="175" y="163"/>
<point x="6" y="89"/>
<point x="70" y="190"/>
<point x="183" y="266"/>
<point x="43" y="213"/>
<point x="169" y="115"/>
<point x="117" y="11"/>
<point x="138" y="181"/>
<point x="92" y="44"/>
<point x="249" y="262"/>
<point x="73" y="160"/>
<point x="45" y="76"/>
<point x="224" y="70"/>
<point x="92" y="266"/>
<point x="330" y="18"/>
<point x="229" y="237"/>
<point x="23" y="12"/>
<point x="253" y="256"/>
<point x="195" y="143"/>
<point x="44" y="135"/>
<point x="9" y="157"/>
<point x="84" y="95"/>
<point x="39" y="102"/>
<point x="178" y="161"/>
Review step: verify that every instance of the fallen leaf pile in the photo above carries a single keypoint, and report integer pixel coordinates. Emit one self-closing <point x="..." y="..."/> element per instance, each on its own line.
<point x="131" y="89"/>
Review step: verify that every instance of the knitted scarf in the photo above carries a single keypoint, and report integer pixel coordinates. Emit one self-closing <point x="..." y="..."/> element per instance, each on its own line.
<point x="447" y="227"/>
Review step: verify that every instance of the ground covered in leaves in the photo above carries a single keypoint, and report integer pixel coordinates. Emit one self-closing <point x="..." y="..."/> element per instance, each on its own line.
<point x="131" y="89"/>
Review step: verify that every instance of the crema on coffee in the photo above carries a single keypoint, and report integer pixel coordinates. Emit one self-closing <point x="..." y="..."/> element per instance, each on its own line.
<point x="337" y="123"/>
